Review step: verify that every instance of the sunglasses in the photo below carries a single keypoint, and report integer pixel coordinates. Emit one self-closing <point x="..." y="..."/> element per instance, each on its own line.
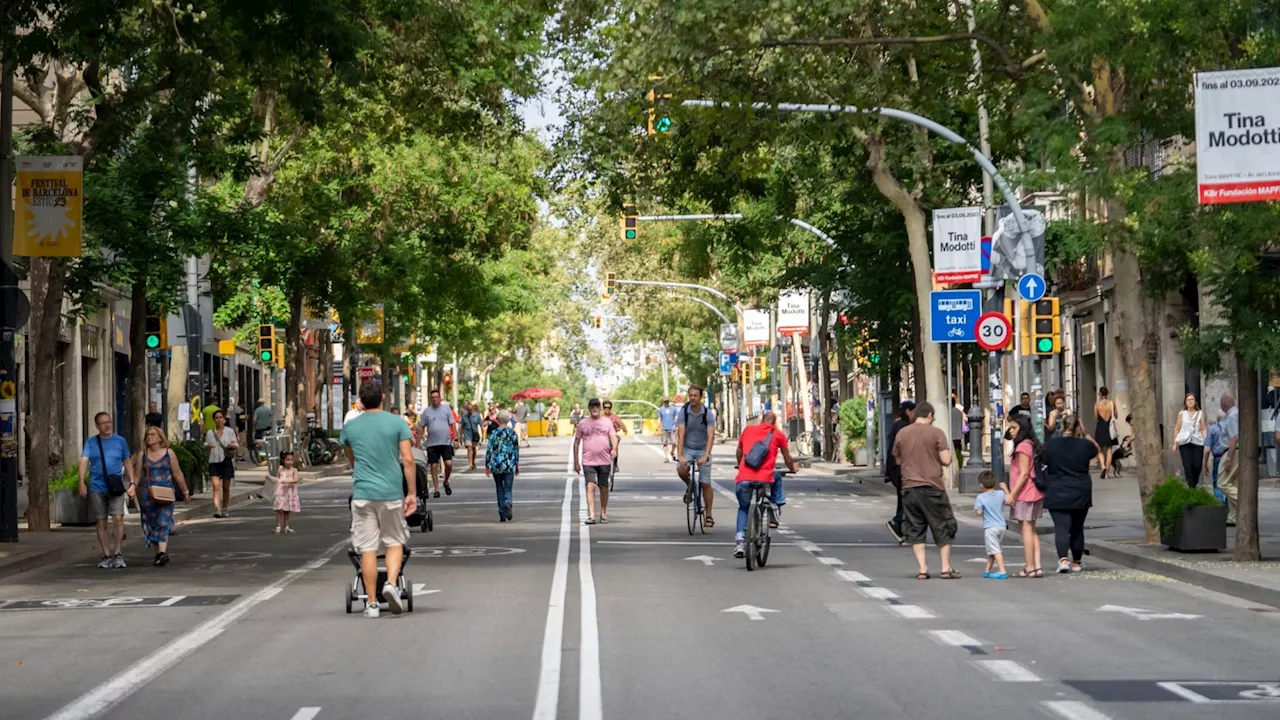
<point x="608" y="407"/>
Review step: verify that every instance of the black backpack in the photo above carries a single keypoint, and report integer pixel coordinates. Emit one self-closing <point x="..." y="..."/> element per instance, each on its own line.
<point x="686" y="415"/>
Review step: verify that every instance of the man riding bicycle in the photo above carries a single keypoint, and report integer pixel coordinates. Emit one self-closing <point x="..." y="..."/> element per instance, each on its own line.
<point x="695" y="436"/>
<point x="770" y="439"/>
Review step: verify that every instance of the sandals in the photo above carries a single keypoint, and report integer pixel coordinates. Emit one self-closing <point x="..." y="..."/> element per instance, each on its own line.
<point x="1030" y="573"/>
<point x="590" y="521"/>
<point x="710" y="522"/>
<point x="951" y="574"/>
<point x="922" y="576"/>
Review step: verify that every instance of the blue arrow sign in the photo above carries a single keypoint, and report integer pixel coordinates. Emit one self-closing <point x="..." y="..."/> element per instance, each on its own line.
<point x="1031" y="287"/>
<point x="952" y="315"/>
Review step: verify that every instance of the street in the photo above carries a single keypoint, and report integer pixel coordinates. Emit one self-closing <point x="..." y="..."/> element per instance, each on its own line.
<point x="547" y="618"/>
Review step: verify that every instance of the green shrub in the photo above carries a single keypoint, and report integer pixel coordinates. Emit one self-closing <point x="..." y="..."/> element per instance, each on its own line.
<point x="193" y="458"/>
<point x="1170" y="498"/>
<point x="69" y="480"/>
<point x="853" y="425"/>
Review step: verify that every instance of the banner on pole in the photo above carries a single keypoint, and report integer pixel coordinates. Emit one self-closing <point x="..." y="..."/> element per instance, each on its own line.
<point x="370" y="333"/>
<point x="48" y="215"/>
<point x="1238" y="135"/>
<point x="957" y="245"/>
<point x="793" y="312"/>
<point x="729" y="337"/>
<point x="755" y="328"/>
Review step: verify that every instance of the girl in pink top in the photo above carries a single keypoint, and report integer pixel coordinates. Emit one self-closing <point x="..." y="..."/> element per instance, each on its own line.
<point x="1027" y="500"/>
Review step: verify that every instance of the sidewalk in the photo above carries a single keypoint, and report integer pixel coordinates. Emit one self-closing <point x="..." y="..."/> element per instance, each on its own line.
<point x="68" y="544"/>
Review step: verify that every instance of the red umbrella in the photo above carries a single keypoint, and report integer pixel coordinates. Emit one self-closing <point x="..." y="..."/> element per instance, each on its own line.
<point x="535" y="393"/>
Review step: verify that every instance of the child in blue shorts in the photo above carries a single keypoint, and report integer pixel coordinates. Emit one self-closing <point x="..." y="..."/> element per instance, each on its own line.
<point x="990" y="507"/>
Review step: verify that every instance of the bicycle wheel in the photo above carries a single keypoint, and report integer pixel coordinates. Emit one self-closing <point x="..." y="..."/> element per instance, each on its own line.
<point x="765" y="541"/>
<point x="691" y="510"/>
<point x="753" y="535"/>
<point x="258" y="456"/>
<point x="317" y="452"/>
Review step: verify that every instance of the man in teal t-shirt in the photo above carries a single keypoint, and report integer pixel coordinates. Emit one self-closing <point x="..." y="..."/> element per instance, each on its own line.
<point x="378" y="447"/>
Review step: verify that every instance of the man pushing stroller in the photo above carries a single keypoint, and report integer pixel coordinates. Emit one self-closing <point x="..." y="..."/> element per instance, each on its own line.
<point x="379" y="448"/>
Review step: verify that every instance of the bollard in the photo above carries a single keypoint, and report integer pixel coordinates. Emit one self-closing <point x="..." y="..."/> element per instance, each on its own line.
<point x="975" y="439"/>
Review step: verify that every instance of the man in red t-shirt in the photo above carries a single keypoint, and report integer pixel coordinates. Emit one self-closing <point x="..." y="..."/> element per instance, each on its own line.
<point x="766" y="429"/>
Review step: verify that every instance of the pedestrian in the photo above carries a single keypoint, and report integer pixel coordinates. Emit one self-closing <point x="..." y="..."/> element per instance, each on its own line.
<point x="263" y="420"/>
<point x="575" y="415"/>
<point x="1053" y="424"/>
<point x="667" y="421"/>
<point x="104" y="459"/>
<point x="521" y="417"/>
<point x="1231" y="457"/>
<point x="237" y="421"/>
<point x="206" y="413"/>
<point x="1023" y="407"/>
<point x="502" y="463"/>
<point x="958" y="425"/>
<point x="383" y="493"/>
<point x="285" y="500"/>
<point x="154" y="418"/>
<point x="922" y="452"/>
<point x="357" y="409"/>
<point x="1026" y="499"/>
<point x="1104" y="413"/>
<point x="619" y="429"/>
<point x="1215" y="447"/>
<point x="221" y="443"/>
<point x="553" y="419"/>
<point x="491" y="422"/>
<point x="160" y="477"/>
<point x="990" y="507"/>
<point x="1189" y="442"/>
<point x="695" y="437"/>
<point x="892" y="472"/>
<point x="595" y="448"/>
<point x="766" y="431"/>
<point x="438" y="427"/>
<point x="1068" y="492"/>
<point x="471" y="422"/>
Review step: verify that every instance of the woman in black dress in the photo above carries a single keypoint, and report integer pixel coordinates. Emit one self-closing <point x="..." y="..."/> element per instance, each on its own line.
<point x="1068" y="494"/>
<point x="1104" y="411"/>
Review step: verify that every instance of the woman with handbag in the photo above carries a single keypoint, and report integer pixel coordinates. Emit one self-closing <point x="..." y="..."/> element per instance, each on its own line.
<point x="160" y="472"/>
<point x="1069" y="492"/>
<point x="1189" y="442"/>
<point x="1104" y="412"/>
<point x="221" y="441"/>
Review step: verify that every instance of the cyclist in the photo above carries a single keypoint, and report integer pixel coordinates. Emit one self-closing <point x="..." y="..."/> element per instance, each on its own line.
<point x="695" y="436"/>
<point x="619" y="429"/>
<point x="766" y="431"/>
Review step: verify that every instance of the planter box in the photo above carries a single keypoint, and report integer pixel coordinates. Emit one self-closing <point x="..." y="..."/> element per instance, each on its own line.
<point x="70" y="509"/>
<point x="1200" y="529"/>
<point x="860" y="456"/>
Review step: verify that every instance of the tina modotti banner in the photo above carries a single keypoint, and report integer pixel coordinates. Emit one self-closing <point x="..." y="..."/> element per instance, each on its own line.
<point x="49" y="213"/>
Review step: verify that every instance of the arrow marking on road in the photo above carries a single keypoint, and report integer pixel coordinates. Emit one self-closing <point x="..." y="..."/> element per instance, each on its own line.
<point x="421" y="589"/>
<point x="751" y="611"/>
<point x="1144" y="614"/>
<point x="706" y="559"/>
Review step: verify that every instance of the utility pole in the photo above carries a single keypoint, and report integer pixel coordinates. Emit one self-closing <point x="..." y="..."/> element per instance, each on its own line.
<point x="9" y="321"/>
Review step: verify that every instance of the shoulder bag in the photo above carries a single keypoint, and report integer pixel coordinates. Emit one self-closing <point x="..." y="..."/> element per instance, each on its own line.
<point x="1111" y="427"/>
<point x="159" y="494"/>
<point x="115" y="483"/>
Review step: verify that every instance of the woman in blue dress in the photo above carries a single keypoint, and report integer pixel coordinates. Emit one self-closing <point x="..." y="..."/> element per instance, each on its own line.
<point x="159" y="468"/>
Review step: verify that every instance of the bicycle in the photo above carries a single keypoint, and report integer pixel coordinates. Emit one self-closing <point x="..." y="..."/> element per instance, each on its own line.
<point x="804" y="443"/>
<point x="695" y="512"/>
<point x="319" y="451"/>
<point x="759" y="513"/>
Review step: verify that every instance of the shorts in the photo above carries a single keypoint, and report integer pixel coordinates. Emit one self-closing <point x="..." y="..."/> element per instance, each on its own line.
<point x="436" y="453"/>
<point x="470" y="441"/>
<point x="993" y="537"/>
<point x="103" y="504"/>
<point x="377" y="525"/>
<point x="1028" y="511"/>
<point x="597" y="474"/>
<point x="704" y="472"/>
<point x="927" y="508"/>
<point x="668" y="437"/>
<point x="522" y="428"/>
<point x="225" y="469"/>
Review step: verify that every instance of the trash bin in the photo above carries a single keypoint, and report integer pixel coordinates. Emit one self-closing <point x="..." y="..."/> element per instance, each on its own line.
<point x="637" y="426"/>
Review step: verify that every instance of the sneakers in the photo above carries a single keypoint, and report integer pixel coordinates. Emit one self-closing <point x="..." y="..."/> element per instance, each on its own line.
<point x="688" y="494"/>
<point x="996" y="575"/>
<point x="162" y="558"/>
<point x="775" y="516"/>
<point x="447" y="490"/>
<point x="1064" y="567"/>
<point x="740" y="550"/>
<point x="437" y="494"/>
<point x="118" y="562"/>
<point x="895" y="531"/>
<point x="1077" y="567"/>
<point x="371" y="610"/>
<point x="509" y="515"/>
<point x="108" y="562"/>
<point x="392" y="597"/>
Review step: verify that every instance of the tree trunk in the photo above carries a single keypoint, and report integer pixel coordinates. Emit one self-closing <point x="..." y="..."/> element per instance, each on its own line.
<point x="294" y="383"/>
<point x="48" y="276"/>
<point x="919" y="387"/>
<point x="829" y="451"/>
<point x="1247" y="547"/>
<point x="350" y="383"/>
<point x="138" y="364"/>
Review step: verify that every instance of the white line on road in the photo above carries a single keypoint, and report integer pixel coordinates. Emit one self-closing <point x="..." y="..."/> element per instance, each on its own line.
<point x="112" y="692"/>
<point x="830" y="561"/>
<point x="1007" y="671"/>
<point x="955" y="638"/>
<point x="809" y="547"/>
<point x="1072" y="710"/>
<point x="306" y="713"/>
<point x="910" y="612"/>
<point x="1183" y="692"/>
<point x="878" y="593"/>
<point x="548" y="698"/>
<point x="590" y="698"/>
<point x="852" y="576"/>
<point x="172" y="601"/>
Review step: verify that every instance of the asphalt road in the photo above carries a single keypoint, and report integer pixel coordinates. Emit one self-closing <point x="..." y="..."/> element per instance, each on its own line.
<point x="547" y="618"/>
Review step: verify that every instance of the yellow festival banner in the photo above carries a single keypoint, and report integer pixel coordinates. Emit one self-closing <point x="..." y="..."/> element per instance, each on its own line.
<point x="49" y="213"/>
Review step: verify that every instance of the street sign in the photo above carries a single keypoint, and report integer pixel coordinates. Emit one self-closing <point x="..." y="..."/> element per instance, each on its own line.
<point x="726" y="363"/>
<point x="756" y="327"/>
<point x="1237" y="153"/>
<point x="992" y="331"/>
<point x="952" y="315"/>
<point x="957" y="248"/>
<point x="793" y="312"/>
<point x="729" y="337"/>
<point x="364" y="373"/>
<point x="1031" y="287"/>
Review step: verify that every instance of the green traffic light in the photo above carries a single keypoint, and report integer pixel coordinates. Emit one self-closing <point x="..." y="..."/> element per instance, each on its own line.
<point x="265" y="355"/>
<point x="663" y="124"/>
<point x="153" y="341"/>
<point x="1044" y="345"/>
<point x="631" y="234"/>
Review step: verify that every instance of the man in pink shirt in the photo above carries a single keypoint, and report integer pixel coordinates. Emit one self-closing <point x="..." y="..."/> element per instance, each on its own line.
<point x="598" y="443"/>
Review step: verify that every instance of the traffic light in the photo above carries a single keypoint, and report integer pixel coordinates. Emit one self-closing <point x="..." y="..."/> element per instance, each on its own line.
<point x="659" y="117"/>
<point x="1046" y="327"/>
<point x="762" y="368"/>
<point x="157" y="336"/>
<point x="597" y="321"/>
<point x="267" y="344"/>
<point x="611" y="283"/>
<point x="280" y="354"/>
<point x="1019" y="325"/>
<point x="733" y="374"/>
<point x="630" y="222"/>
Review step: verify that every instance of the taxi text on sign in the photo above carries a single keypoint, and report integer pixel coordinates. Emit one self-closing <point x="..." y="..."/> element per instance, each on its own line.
<point x="755" y="328"/>
<point x="793" y="312"/>
<point x="957" y="245"/>
<point x="48" y="214"/>
<point x="1238" y="135"/>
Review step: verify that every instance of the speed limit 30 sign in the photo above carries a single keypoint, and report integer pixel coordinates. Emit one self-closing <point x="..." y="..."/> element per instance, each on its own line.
<point x="992" y="331"/>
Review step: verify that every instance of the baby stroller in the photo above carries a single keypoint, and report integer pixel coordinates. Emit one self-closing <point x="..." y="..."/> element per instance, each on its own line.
<point x="422" y="517"/>
<point x="356" y="590"/>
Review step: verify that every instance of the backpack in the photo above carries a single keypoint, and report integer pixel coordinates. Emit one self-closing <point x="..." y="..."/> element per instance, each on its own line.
<point x="1217" y="440"/>
<point x="1040" y="470"/>
<point x="759" y="452"/>
<point x="686" y="415"/>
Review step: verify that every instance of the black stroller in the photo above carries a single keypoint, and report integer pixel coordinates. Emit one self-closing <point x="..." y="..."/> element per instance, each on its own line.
<point x="422" y="517"/>
<point x="356" y="590"/>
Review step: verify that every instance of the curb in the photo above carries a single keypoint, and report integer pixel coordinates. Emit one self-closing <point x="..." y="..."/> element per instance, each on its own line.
<point x="48" y="556"/>
<point x="1114" y="553"/>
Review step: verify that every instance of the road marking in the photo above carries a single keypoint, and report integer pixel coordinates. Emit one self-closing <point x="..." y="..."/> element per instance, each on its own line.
<point x="306" y="713"/>
<point x="1072" y="710"/>
<point x="751" y="611"/>
<point x="1183" y="692"/>
<point x="809" y="547"/>
<point x="109" y="694"/>
<point x="852" y="576"/>
<point x="721" y="543"/>
<point x="590" y="696"/>
<point x="421" y="589"/>
<point x="830" y="561"/>
<point x="910" y="612"/>
<point x="172" y="600"/>
<point x="954" y="638"/>
<point x="786" y="532"/>
<point x="1007" y="671"/>
<point x="706" y="559"/>
<point x="1144" y="614"/>
<point x="548" y="698"/>
<point x="878" y="593"/>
